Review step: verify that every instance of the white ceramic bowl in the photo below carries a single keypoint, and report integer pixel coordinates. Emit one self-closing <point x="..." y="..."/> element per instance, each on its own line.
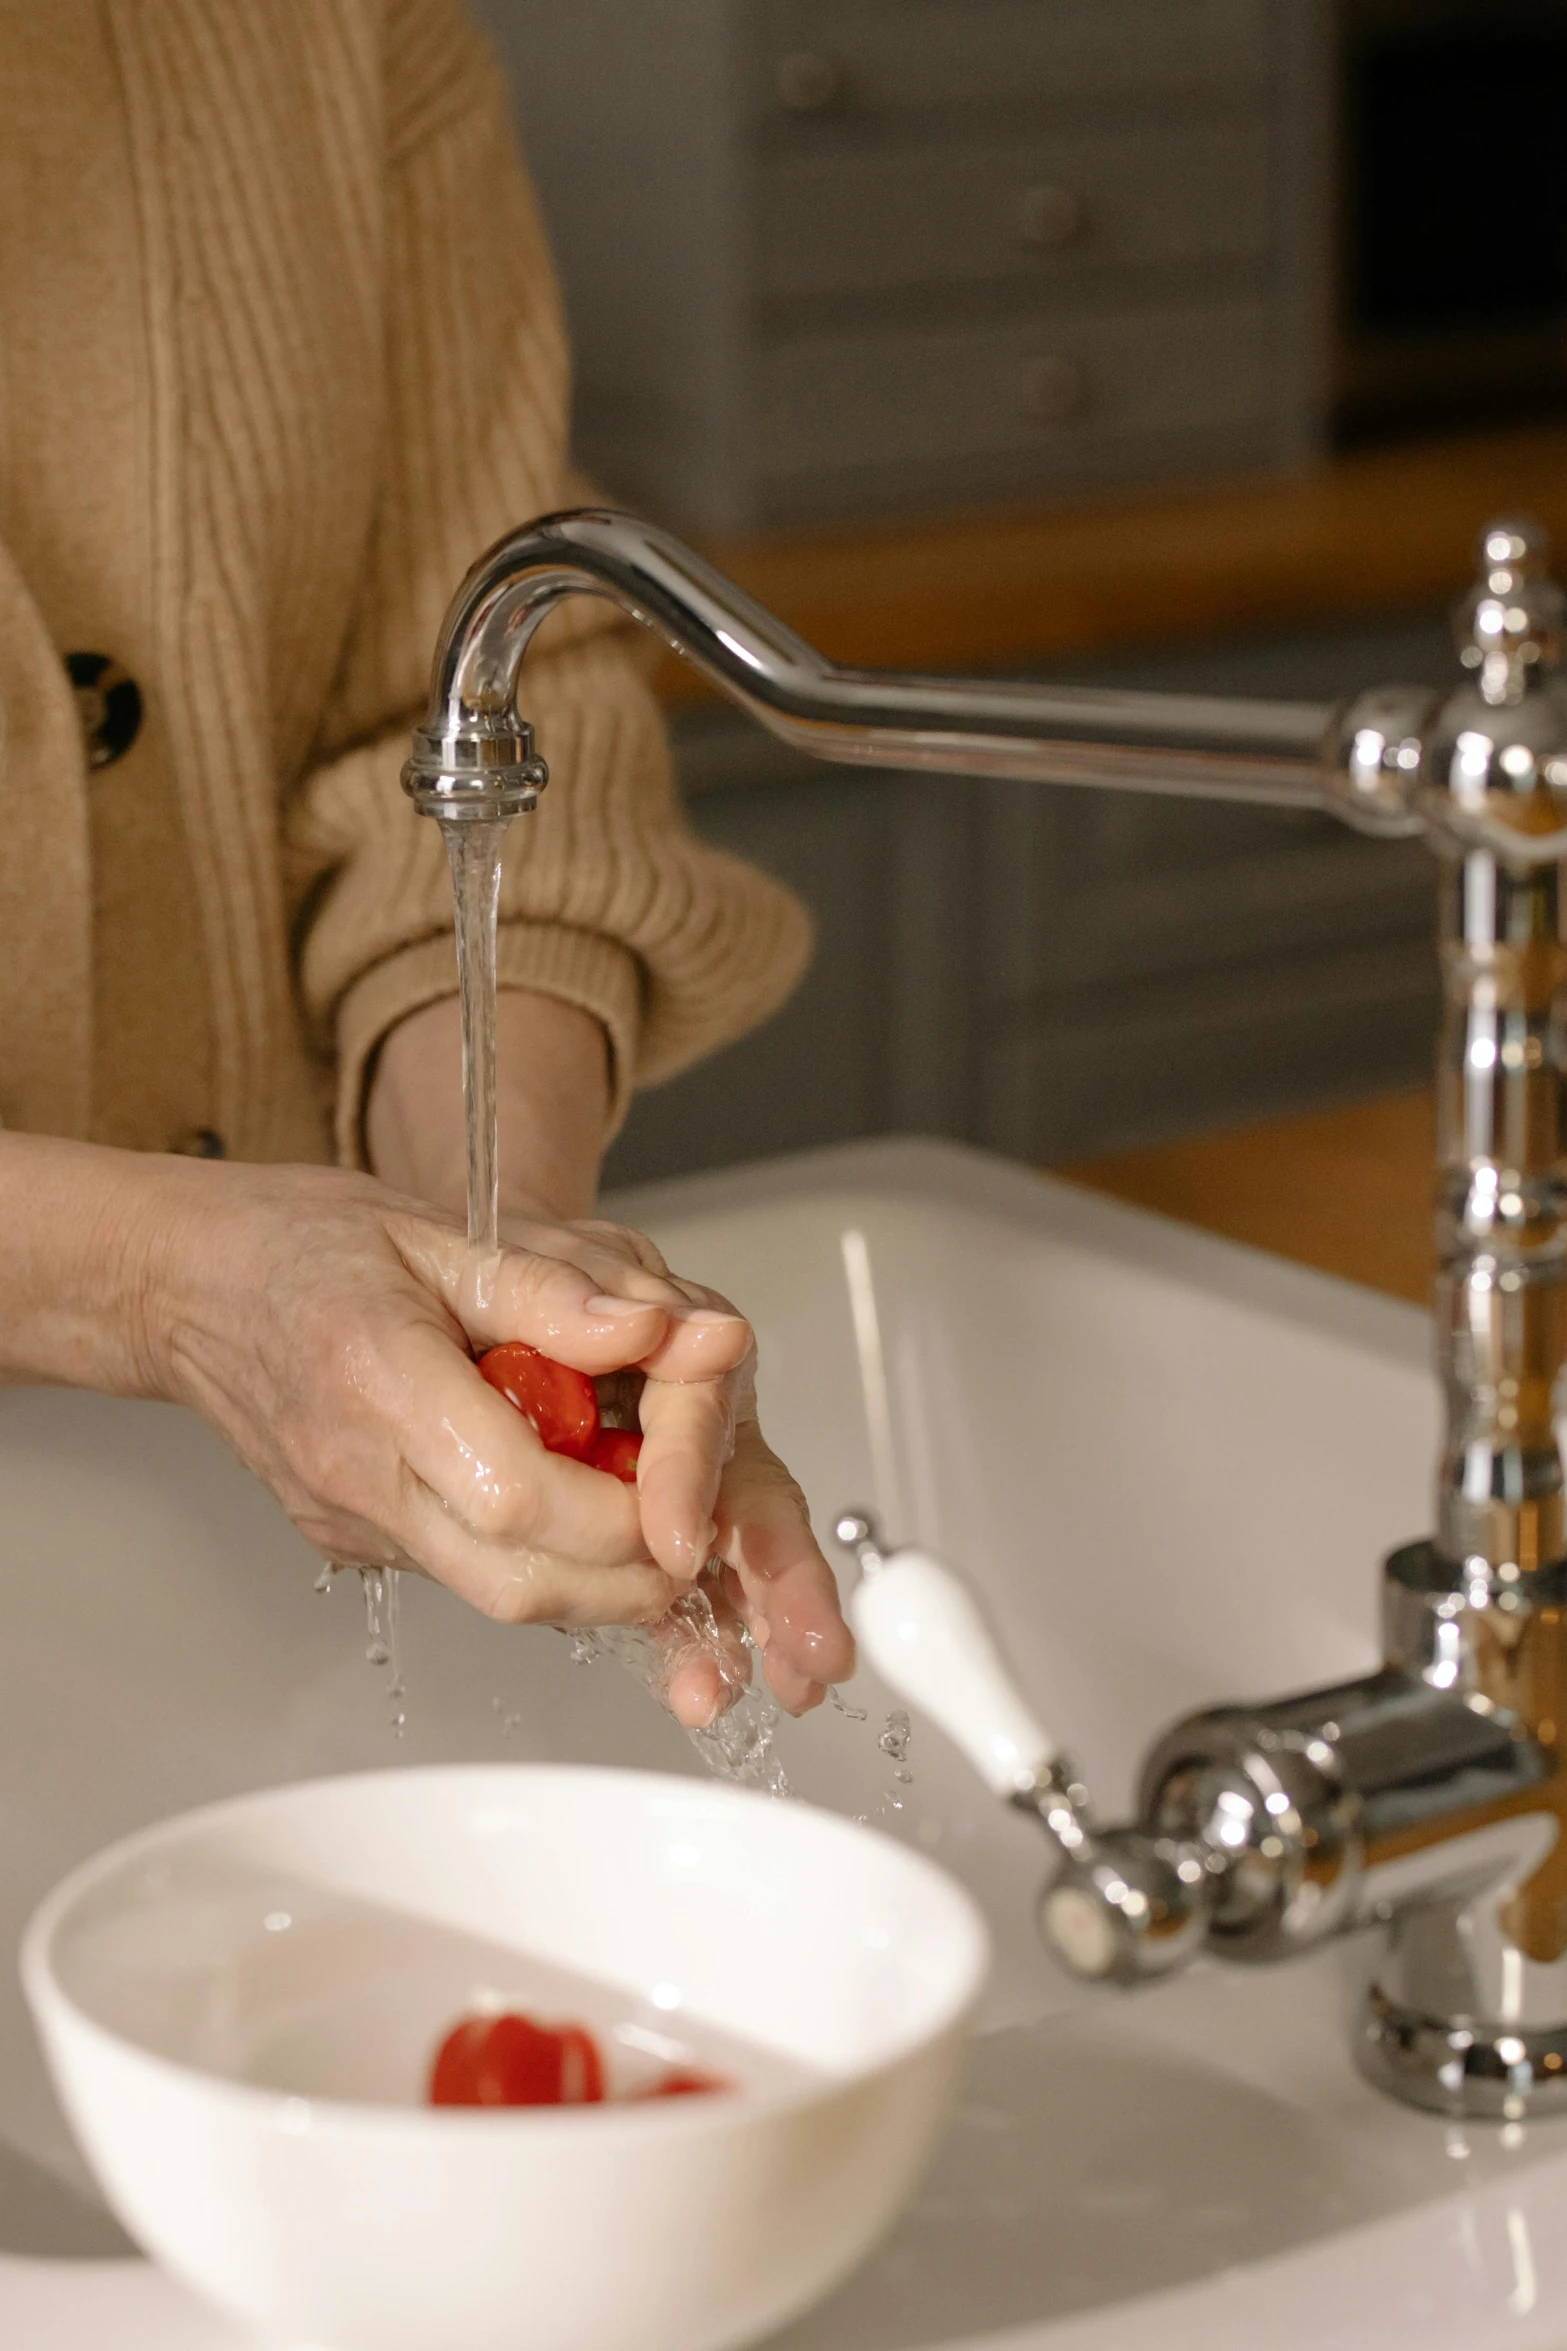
<point x="239" y="2008"/>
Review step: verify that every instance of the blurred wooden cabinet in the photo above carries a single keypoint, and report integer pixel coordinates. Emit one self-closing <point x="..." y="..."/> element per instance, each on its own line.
<point x="827" y="257"/>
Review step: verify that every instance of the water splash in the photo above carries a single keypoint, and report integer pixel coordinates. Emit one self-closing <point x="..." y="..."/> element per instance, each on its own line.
<point x="840" y="1705"/>
<point x="739" y="1743"/>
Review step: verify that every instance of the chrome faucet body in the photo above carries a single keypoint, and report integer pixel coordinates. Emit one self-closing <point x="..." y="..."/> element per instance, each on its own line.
<point x="1431" y="1795"/>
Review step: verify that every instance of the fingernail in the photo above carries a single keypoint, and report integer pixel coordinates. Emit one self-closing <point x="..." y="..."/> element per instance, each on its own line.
<point x="695" y="1316"/>
<point x="619" y="1307"/>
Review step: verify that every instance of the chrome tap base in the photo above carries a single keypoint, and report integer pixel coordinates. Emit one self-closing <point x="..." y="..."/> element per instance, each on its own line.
<point x="1469" y="2072"/>
<point x="1417" y="1799"/>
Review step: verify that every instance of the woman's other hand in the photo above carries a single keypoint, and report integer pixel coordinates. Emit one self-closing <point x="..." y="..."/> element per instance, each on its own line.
<point x="323" y="1324"/>
<point x="709" y="1488"/>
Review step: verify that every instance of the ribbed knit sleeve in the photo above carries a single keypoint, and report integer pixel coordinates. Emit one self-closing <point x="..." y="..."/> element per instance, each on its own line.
<point x="608" y="900"/>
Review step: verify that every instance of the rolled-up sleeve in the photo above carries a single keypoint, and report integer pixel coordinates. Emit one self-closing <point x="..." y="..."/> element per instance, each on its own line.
<point x="608" y="899"/>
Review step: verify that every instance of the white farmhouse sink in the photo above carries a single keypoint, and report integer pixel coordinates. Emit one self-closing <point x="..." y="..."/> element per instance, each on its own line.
<point x="1173" y="1466"/>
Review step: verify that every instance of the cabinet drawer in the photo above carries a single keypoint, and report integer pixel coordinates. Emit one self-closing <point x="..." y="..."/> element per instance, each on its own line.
<point x="861" y="399"/>
<point x="1040" y="210"/>
<point x="817" y="60"/>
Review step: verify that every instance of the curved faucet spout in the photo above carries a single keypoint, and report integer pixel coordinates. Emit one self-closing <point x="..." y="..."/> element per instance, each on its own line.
<point x="475" y="753"/>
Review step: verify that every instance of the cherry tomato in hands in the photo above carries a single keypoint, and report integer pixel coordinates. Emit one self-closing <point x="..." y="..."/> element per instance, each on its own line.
<point x="562" y="1407"/>
<point x="615" y="1451"/>
<point x="560" y="1403"/>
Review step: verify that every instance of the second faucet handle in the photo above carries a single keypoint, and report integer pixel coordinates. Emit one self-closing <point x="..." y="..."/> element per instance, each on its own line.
<point x="923" y="1631"/>
<point x="1125" y="1905"/>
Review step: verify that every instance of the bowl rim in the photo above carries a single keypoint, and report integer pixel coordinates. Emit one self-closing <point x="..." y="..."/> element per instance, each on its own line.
<point x="304" y="2113"/>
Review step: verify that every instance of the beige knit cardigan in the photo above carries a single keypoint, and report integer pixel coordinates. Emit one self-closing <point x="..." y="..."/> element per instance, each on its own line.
<point x="280" y="352"/>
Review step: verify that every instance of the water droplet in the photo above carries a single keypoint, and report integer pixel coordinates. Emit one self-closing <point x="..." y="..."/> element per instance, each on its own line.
<point x="841" y="1704"/>
<point x="326" y="1578"/>
<point x="895" y="1734"/>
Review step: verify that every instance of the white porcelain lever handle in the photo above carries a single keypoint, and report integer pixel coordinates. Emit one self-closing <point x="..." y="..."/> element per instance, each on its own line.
<point x="923" y="1632"/>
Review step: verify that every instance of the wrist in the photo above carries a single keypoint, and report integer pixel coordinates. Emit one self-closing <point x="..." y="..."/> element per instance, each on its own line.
<point x="552" y="1105"/>
<point x="83" y="1270"/>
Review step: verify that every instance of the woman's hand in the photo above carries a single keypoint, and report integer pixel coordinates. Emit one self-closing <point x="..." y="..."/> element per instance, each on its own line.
<point x="322" y="1324"/>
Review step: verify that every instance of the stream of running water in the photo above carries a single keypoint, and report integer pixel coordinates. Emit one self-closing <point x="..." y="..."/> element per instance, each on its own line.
<point x="739" y="1743"/>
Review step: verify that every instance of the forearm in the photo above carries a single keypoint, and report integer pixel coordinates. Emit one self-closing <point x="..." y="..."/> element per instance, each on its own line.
<point x="552" y="1105"/>
<point x="82" y="1233"/>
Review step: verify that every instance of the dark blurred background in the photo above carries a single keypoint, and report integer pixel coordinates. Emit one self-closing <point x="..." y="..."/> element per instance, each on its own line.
<point x="1177" y="342"/>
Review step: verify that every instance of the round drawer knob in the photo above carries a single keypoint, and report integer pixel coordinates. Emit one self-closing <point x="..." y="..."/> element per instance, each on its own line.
<point x="1048" y="215"/>
<point x="808" y="81"/>
<point x="1053" y="391"/>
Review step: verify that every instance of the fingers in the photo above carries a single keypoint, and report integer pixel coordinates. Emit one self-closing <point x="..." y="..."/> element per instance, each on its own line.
<point x="519" y="1294"/>
<point x="700" y="1342"/>
<point x="518" y="1584"/>
<point x="795" y="1691"/>
<point x="480" y="1461"/>
<point x="788" y="1590"/>
<point x="687" y="1436"/>
<point x="703" y="1657"/>
<point x="705" y="1334"/>
<point x="588" y="1306"/>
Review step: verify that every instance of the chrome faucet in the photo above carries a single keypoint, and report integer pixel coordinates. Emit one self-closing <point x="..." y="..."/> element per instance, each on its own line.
<point x="1429" y="1796"/>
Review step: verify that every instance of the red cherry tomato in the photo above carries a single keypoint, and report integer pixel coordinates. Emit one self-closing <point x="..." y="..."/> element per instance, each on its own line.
<point x="615" y="1451"/>
<point x="686" y="2082"/>
<point x="511" y="2061"/>
<point x="560" y="1402"/>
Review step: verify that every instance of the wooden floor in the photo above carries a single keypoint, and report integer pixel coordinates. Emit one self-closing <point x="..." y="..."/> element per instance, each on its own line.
<point x="1348" y="1191"/>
